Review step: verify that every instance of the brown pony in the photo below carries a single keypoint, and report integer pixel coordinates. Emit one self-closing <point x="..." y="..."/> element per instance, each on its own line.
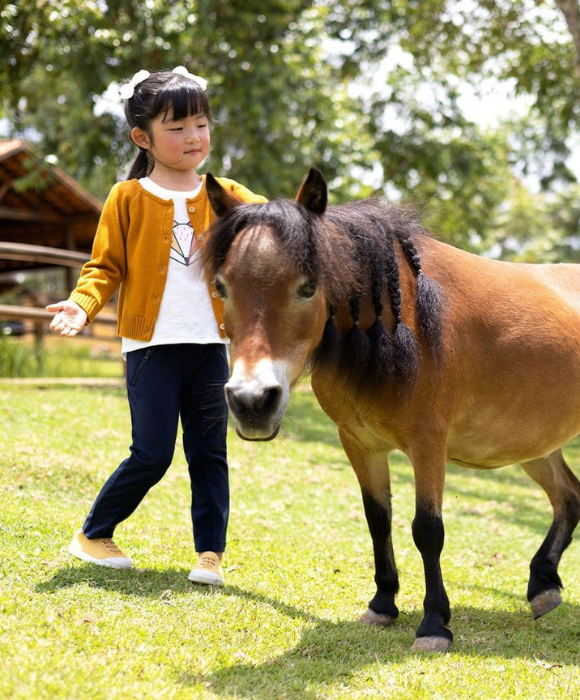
<point x="413" y="345"/>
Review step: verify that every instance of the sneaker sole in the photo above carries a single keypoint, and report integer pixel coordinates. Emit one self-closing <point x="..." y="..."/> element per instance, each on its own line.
<point x="206" y="580"/>
<point x="111" y="563"/>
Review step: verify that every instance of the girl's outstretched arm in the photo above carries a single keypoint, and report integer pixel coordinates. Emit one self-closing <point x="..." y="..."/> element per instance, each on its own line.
<point x="69" y="320"/>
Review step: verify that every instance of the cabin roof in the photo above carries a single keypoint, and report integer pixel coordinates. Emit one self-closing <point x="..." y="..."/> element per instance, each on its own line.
<point x="57" y="212"/>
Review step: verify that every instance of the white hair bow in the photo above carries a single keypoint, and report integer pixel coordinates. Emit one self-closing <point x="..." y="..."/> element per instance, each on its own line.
<point x="182" y="70"/>
<point x="127" y="90"/>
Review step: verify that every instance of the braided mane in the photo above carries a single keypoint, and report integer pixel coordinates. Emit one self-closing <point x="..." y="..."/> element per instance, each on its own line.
<point x="350" y="251"/>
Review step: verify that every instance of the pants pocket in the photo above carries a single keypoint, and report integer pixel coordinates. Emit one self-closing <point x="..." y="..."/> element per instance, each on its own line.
<point x="144" y="361"/>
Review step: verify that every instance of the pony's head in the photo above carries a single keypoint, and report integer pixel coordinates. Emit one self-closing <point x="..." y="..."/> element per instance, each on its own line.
<point x="278" y="267"/>
<point x="285" y="268"/>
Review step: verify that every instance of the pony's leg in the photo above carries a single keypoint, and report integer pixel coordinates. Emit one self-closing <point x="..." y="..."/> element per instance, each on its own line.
<point x="372" y="471"/>
<point x="428" y="461"/>
<point x="563" y="490"/>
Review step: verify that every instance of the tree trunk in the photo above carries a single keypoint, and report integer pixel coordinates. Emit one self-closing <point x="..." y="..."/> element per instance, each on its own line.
<point x="571" y="11"/>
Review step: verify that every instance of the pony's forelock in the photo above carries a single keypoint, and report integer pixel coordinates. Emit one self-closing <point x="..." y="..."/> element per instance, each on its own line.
<point x="315" y="249"/>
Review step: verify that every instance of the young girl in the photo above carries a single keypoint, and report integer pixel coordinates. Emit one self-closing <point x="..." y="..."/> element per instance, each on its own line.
<point x="169" y="320"/>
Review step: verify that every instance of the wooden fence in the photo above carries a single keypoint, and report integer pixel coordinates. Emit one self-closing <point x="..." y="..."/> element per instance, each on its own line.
<point x="37" y="254"/>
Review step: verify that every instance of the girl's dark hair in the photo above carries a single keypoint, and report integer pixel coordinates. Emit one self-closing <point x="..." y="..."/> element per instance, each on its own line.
<point x="157" y="94"/>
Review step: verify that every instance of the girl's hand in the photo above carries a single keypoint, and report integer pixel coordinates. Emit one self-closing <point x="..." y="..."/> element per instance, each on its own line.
<point x="69" y="319"/>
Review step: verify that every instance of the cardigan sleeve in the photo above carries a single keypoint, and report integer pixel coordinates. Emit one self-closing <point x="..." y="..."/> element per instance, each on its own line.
<point x="102" y="275"/>
<point x="241" y="192"/>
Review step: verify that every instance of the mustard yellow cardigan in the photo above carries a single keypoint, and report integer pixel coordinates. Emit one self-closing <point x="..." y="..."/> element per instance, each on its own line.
<point x="131" y="252"/>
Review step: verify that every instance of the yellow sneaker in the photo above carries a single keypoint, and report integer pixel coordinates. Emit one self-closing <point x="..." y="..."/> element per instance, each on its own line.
<point x="101" y="551"/>
<point x="208" y="570"/>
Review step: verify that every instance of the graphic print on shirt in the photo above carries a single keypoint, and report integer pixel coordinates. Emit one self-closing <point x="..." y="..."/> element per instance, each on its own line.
<point x="184" y="244"/>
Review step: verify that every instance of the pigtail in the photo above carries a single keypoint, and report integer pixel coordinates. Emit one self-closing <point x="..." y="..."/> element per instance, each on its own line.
<point x="330" y="349"/>
<point x="356" y="343"/>
<point x="428" y="297"/>
<point x="429" y="310"/>
<point x="141" y="166"/>
<point x="381" y="346"/>
<point x="405" y="349"/>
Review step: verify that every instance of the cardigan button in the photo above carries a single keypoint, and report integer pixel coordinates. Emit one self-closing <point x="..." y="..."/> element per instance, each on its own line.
<point x="191" y="209"/>
<point x="215" y="295"/>
<point x="222" y="327"/>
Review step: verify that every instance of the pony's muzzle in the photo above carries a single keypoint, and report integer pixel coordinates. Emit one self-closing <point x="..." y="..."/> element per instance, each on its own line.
<point x="255" y="409"/>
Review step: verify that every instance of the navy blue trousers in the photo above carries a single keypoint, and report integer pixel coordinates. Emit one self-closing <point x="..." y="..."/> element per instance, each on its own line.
<point x="165" y="382"/>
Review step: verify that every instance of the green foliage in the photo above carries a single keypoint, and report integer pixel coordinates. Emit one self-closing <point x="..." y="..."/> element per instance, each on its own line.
<point x="25" y="359"/>
<point x="298" y="573"/>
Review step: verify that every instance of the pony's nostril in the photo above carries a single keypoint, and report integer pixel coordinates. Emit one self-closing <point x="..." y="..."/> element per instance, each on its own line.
<point x="235" y="400"/>
<point x="270" y="400"/>
<point x="257" y="402"/>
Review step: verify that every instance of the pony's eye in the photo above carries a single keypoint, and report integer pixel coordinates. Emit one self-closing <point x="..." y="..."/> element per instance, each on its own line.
<point x="307" y="290"/>
<point x="220" y="288"/>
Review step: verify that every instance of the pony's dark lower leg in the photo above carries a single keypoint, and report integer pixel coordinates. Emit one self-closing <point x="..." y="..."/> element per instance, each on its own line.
<point x="429" y="537"/>
<point x="372" y="471"/>
<point x="563" y="490"/>
<point x="382" y="609"/>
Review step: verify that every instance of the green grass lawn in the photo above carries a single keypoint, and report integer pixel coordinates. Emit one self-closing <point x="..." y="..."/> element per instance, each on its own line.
<point x="299" y="573"/>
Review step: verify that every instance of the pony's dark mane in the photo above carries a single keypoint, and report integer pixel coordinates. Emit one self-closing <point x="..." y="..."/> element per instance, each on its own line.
<point x="350" y="251"/>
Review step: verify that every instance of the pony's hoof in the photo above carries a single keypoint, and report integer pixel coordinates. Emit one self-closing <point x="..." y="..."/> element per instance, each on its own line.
<point x="544" y="602"/>
<point x="375" y="619"/>
<point x="440" y="644"/>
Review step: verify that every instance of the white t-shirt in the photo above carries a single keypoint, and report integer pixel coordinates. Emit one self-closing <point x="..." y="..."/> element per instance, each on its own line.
<point x="185" y="313"/>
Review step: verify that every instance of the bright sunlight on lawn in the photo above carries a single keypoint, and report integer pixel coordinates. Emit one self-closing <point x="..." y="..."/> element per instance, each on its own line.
<point x="299" y="573"/>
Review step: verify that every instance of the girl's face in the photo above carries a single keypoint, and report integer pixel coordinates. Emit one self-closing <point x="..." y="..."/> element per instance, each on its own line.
<point x="178" y="145"/>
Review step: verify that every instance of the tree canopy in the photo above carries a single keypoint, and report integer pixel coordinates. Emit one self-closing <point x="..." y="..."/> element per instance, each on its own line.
<point x="371" y="91"/>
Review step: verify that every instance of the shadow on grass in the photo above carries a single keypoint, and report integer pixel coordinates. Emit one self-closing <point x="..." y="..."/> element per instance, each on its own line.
<point x="332" y="652"/>
<point x="146" y="583"/>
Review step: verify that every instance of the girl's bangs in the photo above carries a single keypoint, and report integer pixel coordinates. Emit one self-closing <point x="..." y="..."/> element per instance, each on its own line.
<point x="183" y="100"/>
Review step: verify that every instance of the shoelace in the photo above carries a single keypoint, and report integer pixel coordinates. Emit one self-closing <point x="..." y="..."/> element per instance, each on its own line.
<point x="208" y="563"/>
<point x="111" y="546"/>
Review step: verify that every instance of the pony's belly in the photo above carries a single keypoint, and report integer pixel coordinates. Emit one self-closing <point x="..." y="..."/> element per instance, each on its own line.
<point x="494" y="450"/>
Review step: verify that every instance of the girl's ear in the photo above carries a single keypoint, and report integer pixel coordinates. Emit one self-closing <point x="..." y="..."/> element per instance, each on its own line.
<point x="139" y="137"/>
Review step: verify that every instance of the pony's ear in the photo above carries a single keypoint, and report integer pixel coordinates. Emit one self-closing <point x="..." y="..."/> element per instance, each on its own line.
<point x="220" y="199"/>
<point x="313" y="193"/>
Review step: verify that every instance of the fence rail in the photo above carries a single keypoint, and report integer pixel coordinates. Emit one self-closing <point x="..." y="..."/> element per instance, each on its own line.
<point x="42" y="254"/>
<point x="28" y="313"/>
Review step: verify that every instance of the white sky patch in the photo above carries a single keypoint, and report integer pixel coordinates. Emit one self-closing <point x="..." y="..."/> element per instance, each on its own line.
<point x="109" y="102"/>
<point x="495" y="102"/>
